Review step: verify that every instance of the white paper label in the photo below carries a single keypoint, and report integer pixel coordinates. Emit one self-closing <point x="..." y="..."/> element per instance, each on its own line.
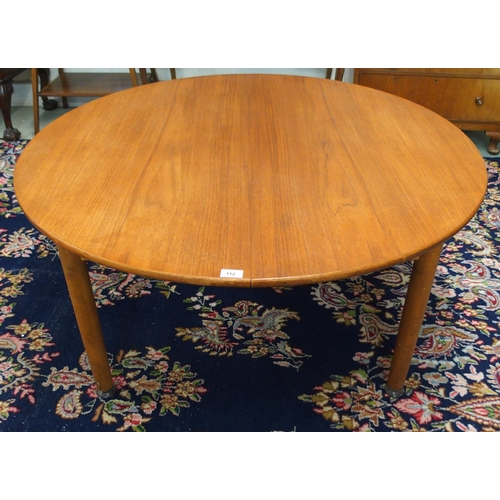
<point x="231" y="273"/>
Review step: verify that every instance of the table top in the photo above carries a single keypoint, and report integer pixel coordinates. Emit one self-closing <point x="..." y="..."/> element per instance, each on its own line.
<point x="287" y="180"/>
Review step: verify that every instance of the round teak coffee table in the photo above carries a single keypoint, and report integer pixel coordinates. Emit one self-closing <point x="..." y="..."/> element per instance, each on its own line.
<point x="250" y="181"/>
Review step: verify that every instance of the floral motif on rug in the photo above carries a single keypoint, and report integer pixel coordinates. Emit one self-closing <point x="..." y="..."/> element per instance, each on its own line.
<point x="244" y="328"/>
<point x="147" y="385"/>
<point x="110" y="285"/>
<point x="24" y="347"/>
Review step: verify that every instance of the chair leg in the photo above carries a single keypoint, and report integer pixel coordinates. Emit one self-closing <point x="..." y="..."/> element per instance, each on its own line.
<point x="133" y="77"/>
<point x="48" y="104"/>
<point x="64" y="99"/>
<point x="154" y="75"/>
<point x="172" y="73"/>
<point x="339" y="74"/>
<point x="34" y="89"/>
<point x="144" y="76"/>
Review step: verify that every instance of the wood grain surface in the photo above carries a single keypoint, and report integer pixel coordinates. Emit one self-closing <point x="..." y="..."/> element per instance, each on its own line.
<point x="292" y="180"/>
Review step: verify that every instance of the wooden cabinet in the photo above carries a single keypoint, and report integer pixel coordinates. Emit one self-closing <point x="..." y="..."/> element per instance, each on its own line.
<point x="468" y="97"/>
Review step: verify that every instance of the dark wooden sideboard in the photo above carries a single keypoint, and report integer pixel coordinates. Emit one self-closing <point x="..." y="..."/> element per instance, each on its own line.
<point x="468" y="97"/>
<point x="7" y="89"/>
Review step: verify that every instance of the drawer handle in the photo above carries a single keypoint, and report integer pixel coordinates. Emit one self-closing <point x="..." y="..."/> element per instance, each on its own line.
<point x="479" y="101"/>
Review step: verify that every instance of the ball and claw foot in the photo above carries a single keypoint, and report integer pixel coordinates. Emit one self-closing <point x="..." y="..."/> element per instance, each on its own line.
<point x="49" y="104"/>
<point x="11" y="134"/>
<point x="494" y="140"/>
<point x="392" y="393"/>
<point x="106" y="394"/>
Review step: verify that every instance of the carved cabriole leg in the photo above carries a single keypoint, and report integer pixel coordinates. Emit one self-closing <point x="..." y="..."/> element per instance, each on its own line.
<point x="494" y="140"/>
<point x="422" y="277"/>
<point x="82" y="298"/>
<point x="6" y="91"/>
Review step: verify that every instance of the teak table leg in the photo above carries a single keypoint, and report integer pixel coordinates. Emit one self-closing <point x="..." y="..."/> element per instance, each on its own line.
<point x="82" y="298"/>
<point x="419" y="289"/>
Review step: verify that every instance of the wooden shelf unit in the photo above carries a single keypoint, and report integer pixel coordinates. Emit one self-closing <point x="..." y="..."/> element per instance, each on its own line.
<point x="84" y="85"/>
<point x="87" y="84"/>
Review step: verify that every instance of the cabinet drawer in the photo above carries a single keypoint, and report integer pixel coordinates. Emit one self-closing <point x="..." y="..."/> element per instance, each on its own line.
<point x="453" y="98"/>
<point x="453" y="72"/>
<point x="491" y="105"/>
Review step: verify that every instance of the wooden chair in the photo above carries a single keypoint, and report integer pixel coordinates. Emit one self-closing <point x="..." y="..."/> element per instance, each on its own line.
<point x="339" y="74"/>
<point x="153" y="77"/>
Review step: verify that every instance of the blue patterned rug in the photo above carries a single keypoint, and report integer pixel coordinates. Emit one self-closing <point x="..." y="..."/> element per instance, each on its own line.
<point x="187" y="358"/>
